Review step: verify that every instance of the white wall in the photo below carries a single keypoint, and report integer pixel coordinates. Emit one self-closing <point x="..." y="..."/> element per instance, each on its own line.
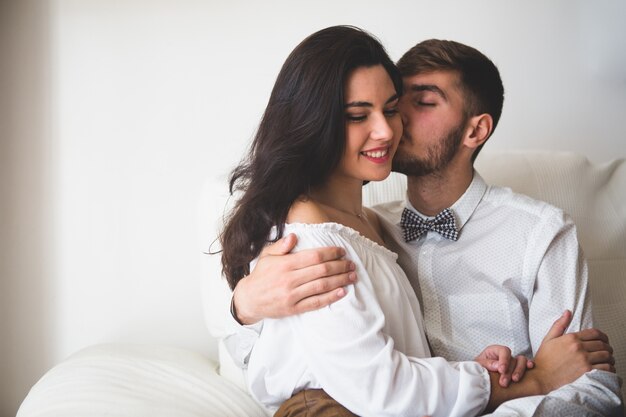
<point x="26" y="317"/>
<point x="148" y="99"/>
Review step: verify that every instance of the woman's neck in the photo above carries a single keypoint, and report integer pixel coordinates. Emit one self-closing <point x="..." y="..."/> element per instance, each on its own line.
<point x="341" y="200"/>
<point x="342" y="195"/>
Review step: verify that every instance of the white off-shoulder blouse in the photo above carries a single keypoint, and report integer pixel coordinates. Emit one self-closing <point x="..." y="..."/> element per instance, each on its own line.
<point x="368" y="350"/>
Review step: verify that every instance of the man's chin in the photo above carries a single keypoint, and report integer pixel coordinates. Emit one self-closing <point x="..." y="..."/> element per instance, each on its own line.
<point x="412" y="168"/>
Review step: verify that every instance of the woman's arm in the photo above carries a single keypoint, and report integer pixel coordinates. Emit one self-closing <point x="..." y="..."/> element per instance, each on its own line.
<point x="347" y="348"/>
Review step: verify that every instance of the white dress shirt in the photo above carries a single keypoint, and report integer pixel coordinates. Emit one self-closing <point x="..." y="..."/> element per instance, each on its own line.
<point x="514" y="269"/>
<point x="368" y="350"/>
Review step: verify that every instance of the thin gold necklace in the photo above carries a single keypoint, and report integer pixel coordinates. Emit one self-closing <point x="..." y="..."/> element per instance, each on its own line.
<point x="359" y="215"/>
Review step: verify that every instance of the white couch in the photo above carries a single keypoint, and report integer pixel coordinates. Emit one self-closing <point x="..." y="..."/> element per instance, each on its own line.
<point x="152" y="381"/>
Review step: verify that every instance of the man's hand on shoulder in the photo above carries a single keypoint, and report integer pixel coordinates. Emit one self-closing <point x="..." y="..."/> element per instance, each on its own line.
<point x="284" y="284"/>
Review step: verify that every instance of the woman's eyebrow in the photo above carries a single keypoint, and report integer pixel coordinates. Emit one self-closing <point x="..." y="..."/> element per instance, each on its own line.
<point x="368" y="104"/>
<point x="392" y="99"/>
<point x="359" y="104"/>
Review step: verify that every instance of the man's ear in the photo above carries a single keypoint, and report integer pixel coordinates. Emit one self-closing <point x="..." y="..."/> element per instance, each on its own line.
<point x="479" y="128"/>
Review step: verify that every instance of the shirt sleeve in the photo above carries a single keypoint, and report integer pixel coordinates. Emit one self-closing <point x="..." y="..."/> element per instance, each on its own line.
<point x="562" y="283"/>
<point x="356" y="363"/>
<point x="240" y="338"/>
<point x="240" y="341"/>
<point x="560" y="278"/>
<point x="596" y="393"/>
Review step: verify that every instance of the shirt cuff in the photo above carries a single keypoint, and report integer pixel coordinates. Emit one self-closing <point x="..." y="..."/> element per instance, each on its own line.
<point x="239" y="345"/>
<point x="474" y="387"/>
<point x="233" y="311"/>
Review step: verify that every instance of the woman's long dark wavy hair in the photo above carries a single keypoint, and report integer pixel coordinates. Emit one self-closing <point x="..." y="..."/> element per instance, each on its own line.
<point x="300" y="140"/>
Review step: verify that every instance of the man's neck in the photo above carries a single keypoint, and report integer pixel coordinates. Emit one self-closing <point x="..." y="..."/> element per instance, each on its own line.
<point x="430" y="194"/>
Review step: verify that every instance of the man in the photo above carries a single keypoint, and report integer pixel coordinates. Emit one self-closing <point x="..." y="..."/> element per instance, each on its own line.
<point x="488" y="266"/>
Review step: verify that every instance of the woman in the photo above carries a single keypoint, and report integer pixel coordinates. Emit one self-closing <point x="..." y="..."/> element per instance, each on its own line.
<point x="332" y="124"/>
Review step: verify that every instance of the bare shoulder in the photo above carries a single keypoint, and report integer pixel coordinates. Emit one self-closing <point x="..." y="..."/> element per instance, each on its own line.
<point x="372" y="217"/>
<point x="307" y="211"/>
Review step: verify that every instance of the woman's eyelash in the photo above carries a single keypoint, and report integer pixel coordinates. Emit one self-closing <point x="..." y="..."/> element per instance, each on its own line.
<point x="360" y="118"/>
<point x="355" y="118"/>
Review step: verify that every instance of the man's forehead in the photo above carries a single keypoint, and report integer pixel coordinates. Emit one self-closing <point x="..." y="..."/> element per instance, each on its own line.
<point x="445" y="81"/>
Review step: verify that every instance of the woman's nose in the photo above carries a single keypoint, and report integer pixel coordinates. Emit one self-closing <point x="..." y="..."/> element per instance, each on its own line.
<point x="381" y="129"/>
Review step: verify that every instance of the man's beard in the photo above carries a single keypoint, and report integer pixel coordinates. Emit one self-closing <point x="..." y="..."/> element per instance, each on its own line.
<point x="438" y="156"/>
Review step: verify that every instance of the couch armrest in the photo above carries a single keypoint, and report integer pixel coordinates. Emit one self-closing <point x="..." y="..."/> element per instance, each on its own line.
<point x="137" y="381"/>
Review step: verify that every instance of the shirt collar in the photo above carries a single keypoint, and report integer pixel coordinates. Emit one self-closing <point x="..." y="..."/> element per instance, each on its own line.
<point x="464" y="207"/>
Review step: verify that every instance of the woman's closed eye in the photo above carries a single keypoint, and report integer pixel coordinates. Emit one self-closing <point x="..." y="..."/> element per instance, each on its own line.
<point x="361" y="117"/>
<point x="355" y="118"/>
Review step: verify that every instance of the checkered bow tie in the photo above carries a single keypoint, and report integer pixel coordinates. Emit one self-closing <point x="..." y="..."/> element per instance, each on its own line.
<point x="413" y="226"/>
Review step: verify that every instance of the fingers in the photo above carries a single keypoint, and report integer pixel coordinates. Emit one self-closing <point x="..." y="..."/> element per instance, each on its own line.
<point x="505" y="377"/>
<point x="310" y="257"/>
<point x="284" y="283"/>
<point x="599" y="351"/>
<point x="559" y="326"/>
<point x="321" y="292"/>
<point x="515" y="368"/>
<point x="316" y="302"/>
<point x="521" y="364"/>
<point x="304" y="258"/>
<point x="596" y="346"/>
<point x="494" y="358"/>
<point x="282" y="246"/>
<point x="605" y="367"/>
<point x="504" y="362"/>
<point x="313" y="273"/>
<point x="592" y="334"/>
<point x="601" y="357"/>
<point x="497" y="358"/>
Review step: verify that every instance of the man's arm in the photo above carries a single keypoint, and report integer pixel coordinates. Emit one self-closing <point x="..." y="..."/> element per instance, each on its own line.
<point x="561" y="282"/>
<point x="283" y="284"/>
<point x="560" y="360"/>
<point x="559" y="276"/>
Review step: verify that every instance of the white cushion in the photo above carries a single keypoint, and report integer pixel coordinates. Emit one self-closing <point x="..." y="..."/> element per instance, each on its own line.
<point x="136" y="381"/>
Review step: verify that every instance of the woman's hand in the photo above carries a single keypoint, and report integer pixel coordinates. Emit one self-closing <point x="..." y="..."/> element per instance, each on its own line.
<point x="497" y="358"/>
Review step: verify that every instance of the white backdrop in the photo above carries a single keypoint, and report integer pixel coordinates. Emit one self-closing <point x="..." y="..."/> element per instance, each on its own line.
<point x="145" y="100"/>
